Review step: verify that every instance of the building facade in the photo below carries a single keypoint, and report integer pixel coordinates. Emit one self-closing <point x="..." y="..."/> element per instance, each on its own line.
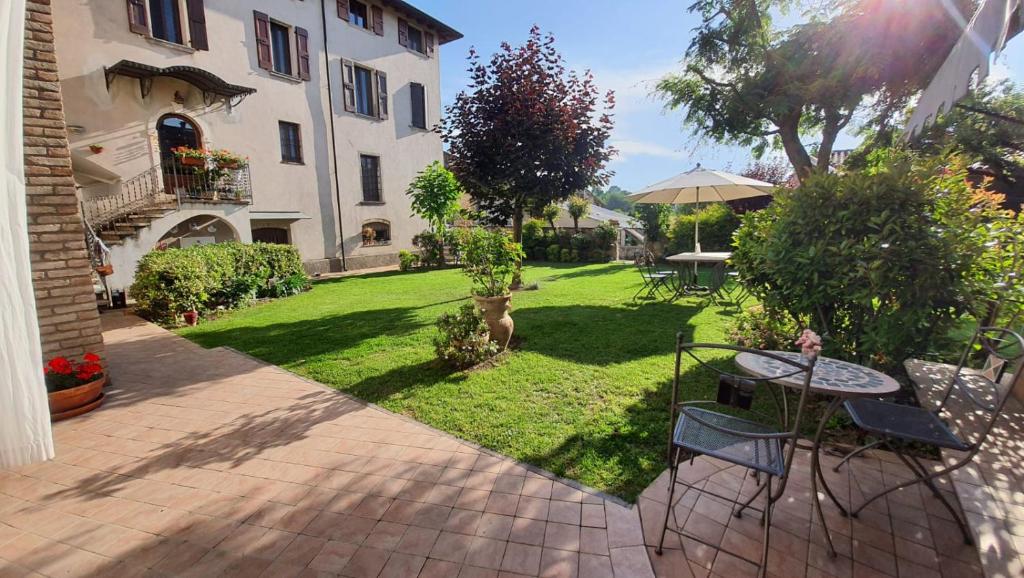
<point x="331" y="101"/>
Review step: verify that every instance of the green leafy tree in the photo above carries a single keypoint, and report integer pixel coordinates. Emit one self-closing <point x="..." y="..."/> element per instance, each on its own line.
<point x="527" y="132"/>
<point x="749" y="83"/>
<point x="435" y="195"/>
<point x="578" y="207"/>
<point x="654" y="219"/>
<point x="550" y="213"/>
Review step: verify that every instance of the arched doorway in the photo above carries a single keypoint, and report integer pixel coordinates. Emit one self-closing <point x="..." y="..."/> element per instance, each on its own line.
<point x="173" y="131"/>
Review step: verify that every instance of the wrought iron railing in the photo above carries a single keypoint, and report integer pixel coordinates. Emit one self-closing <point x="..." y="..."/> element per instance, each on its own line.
<point x="167" y="186"/>
<point x="208" y="182"/>
<point x="140" y="192"/>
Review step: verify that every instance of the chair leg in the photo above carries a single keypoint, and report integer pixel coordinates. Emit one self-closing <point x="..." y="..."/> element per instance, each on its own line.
<point x="739" y="512"/>
<point x="674" y="470"/>
<point x="922" y="473"/>
<point x="767" y="521"/>
<point x="856" y="453"/>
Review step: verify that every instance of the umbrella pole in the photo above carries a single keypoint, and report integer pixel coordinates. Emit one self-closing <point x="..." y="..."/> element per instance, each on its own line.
<point x="696" y="237"/>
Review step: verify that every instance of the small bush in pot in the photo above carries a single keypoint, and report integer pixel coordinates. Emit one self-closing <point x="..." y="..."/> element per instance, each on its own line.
<point x="463" y="339"/>
<point x="489" y="260"/>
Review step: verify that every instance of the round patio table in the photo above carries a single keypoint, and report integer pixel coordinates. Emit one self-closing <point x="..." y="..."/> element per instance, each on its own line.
<point x="839" y="380"/>
<point x="688" y="284"/>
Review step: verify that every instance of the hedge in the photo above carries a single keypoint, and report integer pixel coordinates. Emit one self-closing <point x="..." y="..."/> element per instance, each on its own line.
<point x="171" y="281"/>
<point x="717" y="224"/>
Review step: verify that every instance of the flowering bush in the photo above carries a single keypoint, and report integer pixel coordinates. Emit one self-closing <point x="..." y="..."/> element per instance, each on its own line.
<point x="61" y="373"/>
<point x="190" y="153"/>
<point x="463" y="339"/>
<point x="224" y="157"/>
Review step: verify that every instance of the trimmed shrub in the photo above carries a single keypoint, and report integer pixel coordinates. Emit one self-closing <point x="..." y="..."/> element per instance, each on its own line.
<point x="463" y="339"/>
<point x="554" y="252"/>
<point x="717" y="224"/>
<point x="407" y="260"/>
<point x="431" y="248"/>
<point x="172" y="281"/>
<point x="881" y="262"/>
<point x="760" y="328"/>
<point x="566" y="255"/>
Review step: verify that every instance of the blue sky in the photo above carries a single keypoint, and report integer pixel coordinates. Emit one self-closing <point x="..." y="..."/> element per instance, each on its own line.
<point x="627" y="45"/>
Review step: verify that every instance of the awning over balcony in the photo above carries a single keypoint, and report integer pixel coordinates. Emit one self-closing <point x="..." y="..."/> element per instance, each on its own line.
<point x="995" y="22"/>
<point x="213" y="86"/>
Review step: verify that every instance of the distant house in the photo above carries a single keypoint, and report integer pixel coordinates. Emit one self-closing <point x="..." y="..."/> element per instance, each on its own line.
<point x="631" y="235"/>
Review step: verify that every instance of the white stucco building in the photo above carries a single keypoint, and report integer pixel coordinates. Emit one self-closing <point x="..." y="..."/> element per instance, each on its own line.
<point x="332" y="101"/>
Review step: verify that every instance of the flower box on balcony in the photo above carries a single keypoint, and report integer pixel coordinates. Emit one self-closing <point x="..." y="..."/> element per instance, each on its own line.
<point x="192" y="161"/>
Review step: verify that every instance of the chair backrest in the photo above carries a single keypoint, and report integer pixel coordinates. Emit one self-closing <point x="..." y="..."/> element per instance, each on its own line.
<point x="997" y="350"/>
<point x="797" y="371"/>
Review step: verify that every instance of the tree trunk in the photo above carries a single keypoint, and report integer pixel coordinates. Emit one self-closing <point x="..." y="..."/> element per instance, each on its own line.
<point x="789" y="132"/>
<point x="829" y="132"/>
<point x="517" y="236"/>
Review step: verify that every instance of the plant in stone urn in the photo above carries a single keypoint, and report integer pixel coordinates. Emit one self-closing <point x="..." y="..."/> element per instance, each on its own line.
<point x="489" y="259"/>
<point x="74" y="388"/>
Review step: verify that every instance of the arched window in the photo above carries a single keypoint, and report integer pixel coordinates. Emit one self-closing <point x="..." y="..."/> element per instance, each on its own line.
<point x="175" y="130"/>
<point x="376" y="232"/>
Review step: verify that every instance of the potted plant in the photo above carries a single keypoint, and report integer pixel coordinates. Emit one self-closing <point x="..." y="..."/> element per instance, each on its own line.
<point x="489" y="260"/>
<point x="226" y="159"/>
<point x="191" y="157"/>
<point x="191" y="314"/>
<point x="369" y="235"/>
<point x="96" y="148"/>
<point x="104" y="270"/>
<point x="74" y="388"/>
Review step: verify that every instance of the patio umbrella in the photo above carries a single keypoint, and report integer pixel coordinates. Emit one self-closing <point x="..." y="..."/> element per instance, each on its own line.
<point x="700" y="184"/>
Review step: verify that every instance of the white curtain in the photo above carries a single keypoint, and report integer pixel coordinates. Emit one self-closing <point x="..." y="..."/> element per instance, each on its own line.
<point x="25" y="435"/>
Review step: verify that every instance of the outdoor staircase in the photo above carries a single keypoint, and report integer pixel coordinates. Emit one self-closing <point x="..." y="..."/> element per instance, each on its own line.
<point x="120" y="216"/>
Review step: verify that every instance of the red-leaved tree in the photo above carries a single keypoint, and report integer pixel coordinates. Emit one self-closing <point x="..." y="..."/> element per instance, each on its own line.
<point x="527" y="132"/>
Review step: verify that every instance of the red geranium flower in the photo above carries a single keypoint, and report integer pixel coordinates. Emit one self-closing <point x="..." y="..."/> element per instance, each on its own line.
<point x="91" y="358"/>
<point x="61" y="365"/>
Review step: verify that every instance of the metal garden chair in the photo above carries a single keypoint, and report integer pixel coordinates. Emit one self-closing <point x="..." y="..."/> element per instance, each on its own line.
<point x="764" y="449"/>
<point x="895" y="425"/>
<point x="654" y="281"/>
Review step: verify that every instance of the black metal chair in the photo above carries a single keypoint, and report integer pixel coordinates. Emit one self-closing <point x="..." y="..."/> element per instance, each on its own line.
<point x="896" y="425"/>
<point x="764" y="449"/>
<point x="654" y="281"/>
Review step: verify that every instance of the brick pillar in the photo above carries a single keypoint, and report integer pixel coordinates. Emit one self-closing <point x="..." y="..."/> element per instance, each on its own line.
<point x="69" y="322"/>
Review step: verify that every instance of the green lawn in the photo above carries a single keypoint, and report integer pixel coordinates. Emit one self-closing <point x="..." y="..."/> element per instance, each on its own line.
<point x="585" y="395"/>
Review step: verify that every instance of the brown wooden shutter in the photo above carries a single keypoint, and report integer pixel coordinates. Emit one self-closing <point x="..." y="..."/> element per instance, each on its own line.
<point x="263" y="40"/>
<point x="302" y="48"/>
<point x="382" y="95"/>
<point x="403" y="32"/>
<point x="343" y="10"/>
<point x="197" y="24"/>
<point x="348" y="84"/>
<point x="137" y="20"/>
<point x="378" y="20"/>
<point x="428" y="40"/>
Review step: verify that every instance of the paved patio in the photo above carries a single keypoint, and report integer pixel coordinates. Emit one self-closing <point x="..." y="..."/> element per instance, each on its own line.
<point x="211" y="463"/>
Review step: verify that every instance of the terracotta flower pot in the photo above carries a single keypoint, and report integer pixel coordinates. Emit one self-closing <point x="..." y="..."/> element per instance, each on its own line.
<point x="193" y="161"/>
<point x="76" y="400"/>
<point x="105" y="270"/>
<point x="191" y="318"/>
<point x="495" y="313"/>
<point x="232" y="165"/>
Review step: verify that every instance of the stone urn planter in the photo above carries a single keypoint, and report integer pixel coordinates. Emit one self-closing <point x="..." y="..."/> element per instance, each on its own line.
<point x="76" y="400"/>
<point x="191" y="318"/>
<point x="495" y="313"/>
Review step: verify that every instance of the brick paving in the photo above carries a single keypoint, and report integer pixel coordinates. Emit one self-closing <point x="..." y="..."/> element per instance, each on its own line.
<point x="210" y="463"/>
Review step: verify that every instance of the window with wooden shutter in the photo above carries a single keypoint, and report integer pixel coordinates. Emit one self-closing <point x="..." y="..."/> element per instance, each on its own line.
<point x="419" y="105"/>
<point x="137" y="20"/>
<point x="197" y="24"/>
<point x="403" y="32"/>
<point x="428" y="40"/>
<point x="348" y="85"/>
<point x="302" y="50"/>
<point x="378" y="20"/>
<point x="343" y="10"/>
<point x="263" y="56"/>
<point x="382" y="95"/>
